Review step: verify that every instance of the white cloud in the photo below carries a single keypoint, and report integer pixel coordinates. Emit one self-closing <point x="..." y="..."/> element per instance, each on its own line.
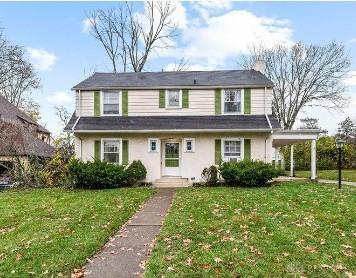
<point x="42" y="59"/>
<point x="60" y="98"/>
<point x="86" y="24"/>
<point x="216" y="39"/>
<point x="353" y="40"/>
<point x="350" y="79"/>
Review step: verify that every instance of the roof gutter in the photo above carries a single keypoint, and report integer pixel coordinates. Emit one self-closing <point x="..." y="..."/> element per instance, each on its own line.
<point x="269" y="122"/>
<point x="265" y="130"/>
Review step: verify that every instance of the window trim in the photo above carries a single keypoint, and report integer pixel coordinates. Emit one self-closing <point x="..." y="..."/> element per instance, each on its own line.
<point x="102" y="103"/>
<point x="223" y="102"/>
<point x="157" y="145"/>
<point x="242" y="148"/>
<point x="185" y="140"/>
<point x="180" y="91"/>
<point x="102" y="148"/>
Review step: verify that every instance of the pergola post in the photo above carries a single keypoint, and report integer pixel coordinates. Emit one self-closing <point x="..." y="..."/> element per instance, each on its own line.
<point x="313" y="160"/>
<point x="291" y="161"/>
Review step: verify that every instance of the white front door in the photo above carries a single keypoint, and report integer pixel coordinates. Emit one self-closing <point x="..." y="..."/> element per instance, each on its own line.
<point x="171" y="159"/>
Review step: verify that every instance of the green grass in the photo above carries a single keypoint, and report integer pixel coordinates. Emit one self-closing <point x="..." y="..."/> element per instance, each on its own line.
<point x="290" y="230"/>
<point x="51" y="231"/>
<point x="347" y="175"/>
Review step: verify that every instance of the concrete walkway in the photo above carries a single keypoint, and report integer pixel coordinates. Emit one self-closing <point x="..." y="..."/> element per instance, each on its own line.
<point x="336" y="182"/>
<point x="124" y="254"/>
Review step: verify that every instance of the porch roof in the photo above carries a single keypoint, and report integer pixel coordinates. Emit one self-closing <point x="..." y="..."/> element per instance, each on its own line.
<point x="289" y="137"/>
<point x="248" y="123"/>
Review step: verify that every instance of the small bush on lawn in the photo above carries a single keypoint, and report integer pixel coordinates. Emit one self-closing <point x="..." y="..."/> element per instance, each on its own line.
<point x="136" y="171"/>
<point x="247" y="173"/>
<point x="101" y="174"/>
<point x="210" y="175"/>
<point x="97" y="174"/>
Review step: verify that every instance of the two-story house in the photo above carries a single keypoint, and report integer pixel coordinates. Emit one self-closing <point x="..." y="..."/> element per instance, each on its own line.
<point x="176" y="123"/>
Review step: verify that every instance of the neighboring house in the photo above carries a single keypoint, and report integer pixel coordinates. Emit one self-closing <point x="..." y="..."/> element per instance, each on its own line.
<point x="177" y="123"/>
<point x="20" y="136"/>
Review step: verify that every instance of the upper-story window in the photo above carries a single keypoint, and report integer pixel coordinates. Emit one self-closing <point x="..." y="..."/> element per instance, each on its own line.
<point x="232" y="101"/>
<point x="111" y="103"/>
<point x="174" y="99"/>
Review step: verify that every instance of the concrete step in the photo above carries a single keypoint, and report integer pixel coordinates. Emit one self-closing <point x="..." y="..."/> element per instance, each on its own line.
<point x="171" y="182"/>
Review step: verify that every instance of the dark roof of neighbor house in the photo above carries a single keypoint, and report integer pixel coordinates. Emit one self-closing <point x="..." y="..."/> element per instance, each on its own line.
<point x="218" y="78"/>
<point x="17" y="140"/>
<point x="142" y="123"/>
<point x="10" y="113"/>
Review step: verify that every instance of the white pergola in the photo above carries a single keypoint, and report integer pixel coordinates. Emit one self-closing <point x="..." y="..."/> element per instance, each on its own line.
<point x="289" y="137"/>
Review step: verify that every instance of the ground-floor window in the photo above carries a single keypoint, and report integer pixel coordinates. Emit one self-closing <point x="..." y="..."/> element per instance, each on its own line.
<point x="232" y="149"/>
<point x="189" y="145"/>
<point x="111" y="150"/>
<point x="153" y="145"/>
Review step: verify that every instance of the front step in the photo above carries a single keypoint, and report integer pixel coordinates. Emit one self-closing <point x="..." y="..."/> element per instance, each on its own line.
<point x="171" y="182"/>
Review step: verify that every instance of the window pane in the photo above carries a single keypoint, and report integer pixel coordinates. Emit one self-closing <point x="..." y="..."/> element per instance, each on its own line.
<point x="153" y="145"/>
<point x="111" y="146"/>
<point x="173" y="98"/>
<point x="232" y="101"/>
<point x="232" y="148"/>
<point x="189" y="145"/>
<point x="111" y="102"/>
<point x="111" y="157"/>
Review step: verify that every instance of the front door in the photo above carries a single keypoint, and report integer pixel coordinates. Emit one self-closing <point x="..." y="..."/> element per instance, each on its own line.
<point x="171" y="162"/>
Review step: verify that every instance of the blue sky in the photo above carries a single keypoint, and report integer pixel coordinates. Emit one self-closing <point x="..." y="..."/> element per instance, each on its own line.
<point x="211" y="35"/>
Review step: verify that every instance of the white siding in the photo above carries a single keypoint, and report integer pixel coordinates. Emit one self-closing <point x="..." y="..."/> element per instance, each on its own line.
<point x="144" y="103"/>
<point x="86" y="106"/>
<point x="260" y="100"/>
<point x="192" y="164"/>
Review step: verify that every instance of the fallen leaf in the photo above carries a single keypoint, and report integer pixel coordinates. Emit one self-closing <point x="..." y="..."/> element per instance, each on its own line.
<point x="218" y="260"/>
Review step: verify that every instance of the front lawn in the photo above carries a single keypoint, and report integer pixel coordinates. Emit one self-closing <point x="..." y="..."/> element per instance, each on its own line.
<point x="51" y="231"/>
<point x="290" y="230"/>
<point x="347" y="175"/>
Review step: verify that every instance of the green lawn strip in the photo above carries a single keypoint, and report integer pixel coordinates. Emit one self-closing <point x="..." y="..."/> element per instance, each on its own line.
<point x="293" y="229"/>
<point x="51" y="231"/>
<point x="347" y="175"/>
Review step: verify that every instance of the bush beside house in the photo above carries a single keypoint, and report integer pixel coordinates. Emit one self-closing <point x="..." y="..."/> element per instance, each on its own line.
<point x="100" y="174"/>
<point x="247" y="173"/>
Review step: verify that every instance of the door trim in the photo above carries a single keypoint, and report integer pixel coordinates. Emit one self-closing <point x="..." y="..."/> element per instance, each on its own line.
<point x="163" y="155"/>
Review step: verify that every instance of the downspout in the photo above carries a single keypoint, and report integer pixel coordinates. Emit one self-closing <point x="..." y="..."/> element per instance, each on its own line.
<point x="76" y="122"/>
<point x="270" y="126"/>
<point x="264" y="100"/>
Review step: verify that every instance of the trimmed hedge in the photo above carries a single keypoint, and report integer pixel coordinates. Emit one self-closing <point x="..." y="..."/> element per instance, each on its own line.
<point x="247" y="173"/>
<point x="100" y="174"/>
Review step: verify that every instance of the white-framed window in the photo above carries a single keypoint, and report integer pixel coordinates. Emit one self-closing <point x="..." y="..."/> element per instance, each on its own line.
<point x="189" y="145"/>
<point x="232" y="101"/>
<point x="111" y="103"/>
<point x="232" y="149"/>
<point x="111" y="150"/>
<point x="153" y="145"/>
<point x="173" y="98"/>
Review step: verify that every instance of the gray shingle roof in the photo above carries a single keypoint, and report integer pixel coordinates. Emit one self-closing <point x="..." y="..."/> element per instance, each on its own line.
<point x="142" y="123"/>
<point x="219" y="78"/>
<point x="10" y="113"/>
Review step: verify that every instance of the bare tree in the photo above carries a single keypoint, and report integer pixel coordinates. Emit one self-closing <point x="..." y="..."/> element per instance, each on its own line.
<point x="303" y="75"/>
<point x="65" y="140"/>
<point x="181" y="65"/>
<point x="128" y="37"/>
<point x="17" y="76"/>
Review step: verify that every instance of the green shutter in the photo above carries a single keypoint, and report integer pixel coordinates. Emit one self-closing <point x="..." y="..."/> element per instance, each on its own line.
<point x="217" y="151"/>
<point x="125" y="103"/>
<point x="125" y="152"/>
<point x="96" y="103"/>
<point x="247" y="149"/>
<point x="162" y="98"/>
<point x="247" y="101"/>
<point x="185" y="98"/>
<point x="97" y="150"/>
<point x="217" y="101"/>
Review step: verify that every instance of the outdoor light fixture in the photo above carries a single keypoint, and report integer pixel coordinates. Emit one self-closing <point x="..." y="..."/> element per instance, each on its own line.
<point x="339" y="144"/>
<point x="171" y="139"/>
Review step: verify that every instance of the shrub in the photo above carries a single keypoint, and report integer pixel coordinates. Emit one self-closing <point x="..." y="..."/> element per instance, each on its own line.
<point x="136" y="171"/>
<point x="247" y="173"/>
<point x="210" y="175"/>
<point x="97" y="174"/>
